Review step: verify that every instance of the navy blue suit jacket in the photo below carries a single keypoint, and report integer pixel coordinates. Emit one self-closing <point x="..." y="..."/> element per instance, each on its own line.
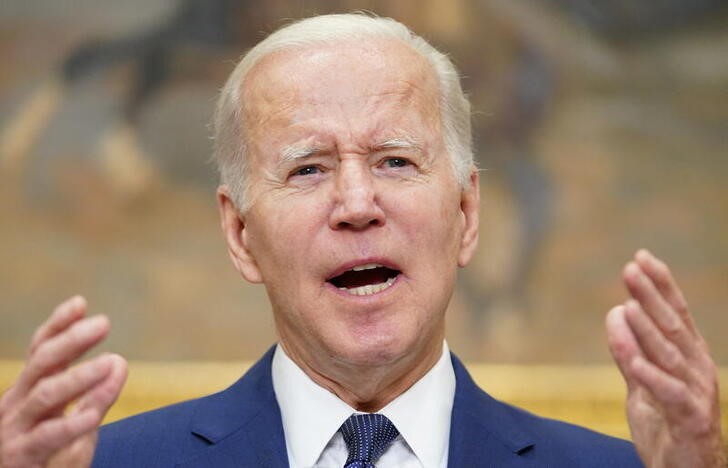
<point x="241" y="427"/>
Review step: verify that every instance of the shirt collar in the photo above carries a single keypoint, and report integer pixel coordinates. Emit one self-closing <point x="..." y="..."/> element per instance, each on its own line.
<point x="312" y="415"/>
<point x="422" y="413"/>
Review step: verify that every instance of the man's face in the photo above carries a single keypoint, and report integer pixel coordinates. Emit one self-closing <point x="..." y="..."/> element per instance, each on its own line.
<point x="356" y="223"/>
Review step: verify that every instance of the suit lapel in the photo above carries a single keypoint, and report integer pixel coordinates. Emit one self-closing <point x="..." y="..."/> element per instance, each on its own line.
<point x="482" y="430"/>
<point x="242" y="424"/>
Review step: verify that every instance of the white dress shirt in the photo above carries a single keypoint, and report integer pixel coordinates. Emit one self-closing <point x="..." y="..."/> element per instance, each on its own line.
<point x="312" y="416"/>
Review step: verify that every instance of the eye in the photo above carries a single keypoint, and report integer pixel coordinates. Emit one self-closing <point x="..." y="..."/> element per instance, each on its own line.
<point x="396" y="162"/>
<point x="306" y="170"/>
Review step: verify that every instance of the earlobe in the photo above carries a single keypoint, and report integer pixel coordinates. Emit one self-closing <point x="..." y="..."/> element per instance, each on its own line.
<point x="233" y="227"/>
<point x="469" y="208"/>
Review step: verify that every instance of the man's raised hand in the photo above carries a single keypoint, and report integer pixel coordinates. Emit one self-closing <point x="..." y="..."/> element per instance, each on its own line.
<point x="35" y="429"/>
<point x="673" y="403"/>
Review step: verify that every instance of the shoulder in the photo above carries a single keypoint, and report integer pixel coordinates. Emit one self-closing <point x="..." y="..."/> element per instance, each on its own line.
<point x="178" y="433"/>
<point x="571" y="445"/>
<point x="159" y="437"/>
<point x="485" y="427"/>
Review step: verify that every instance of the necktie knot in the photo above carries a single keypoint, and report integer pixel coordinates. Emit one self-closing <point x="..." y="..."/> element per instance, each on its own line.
<point x="367" y="436"/>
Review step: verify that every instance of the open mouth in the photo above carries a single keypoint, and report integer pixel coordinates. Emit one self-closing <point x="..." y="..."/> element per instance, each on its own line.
<point x="365" y="280"/>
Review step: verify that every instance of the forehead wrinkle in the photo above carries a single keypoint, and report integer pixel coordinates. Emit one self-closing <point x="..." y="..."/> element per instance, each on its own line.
<point x="417" y="94"/>
<point x="266" y="105"/>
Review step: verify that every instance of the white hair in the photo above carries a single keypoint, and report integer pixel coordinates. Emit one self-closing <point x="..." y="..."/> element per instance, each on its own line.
<point x="230" y="145"/>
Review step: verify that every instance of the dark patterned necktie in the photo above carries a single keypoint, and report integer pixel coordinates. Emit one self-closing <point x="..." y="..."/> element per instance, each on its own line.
<point x="367" y="436"/>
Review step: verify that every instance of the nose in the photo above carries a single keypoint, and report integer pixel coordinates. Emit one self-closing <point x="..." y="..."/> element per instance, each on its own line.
<point x="356" y="200"/>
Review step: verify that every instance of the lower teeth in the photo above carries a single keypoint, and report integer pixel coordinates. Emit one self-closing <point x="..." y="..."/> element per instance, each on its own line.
<point x="369" y="289"/>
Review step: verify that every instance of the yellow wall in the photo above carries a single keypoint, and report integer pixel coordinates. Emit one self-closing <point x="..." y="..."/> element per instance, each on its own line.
<point x="591" y="396"/>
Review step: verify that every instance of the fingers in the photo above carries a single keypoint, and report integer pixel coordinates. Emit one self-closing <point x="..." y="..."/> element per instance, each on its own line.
<point x="660" y="274"/>
<point x="105" y="393"/>
<point x="49" y="437"/>
<point x="33" y="426"/>
<point x="58" y="351"/>
<point x="32" y="437"/>
<point x="656" y="348"/>
<point x="52" y="394"/>
<point x="672" y="405"/>
<point x="672" y="361"/>
<point x="62" y="317"/>
<point x="672" y="326"/>
<point x="644" y="357"/>
<point x="668" y="390"/>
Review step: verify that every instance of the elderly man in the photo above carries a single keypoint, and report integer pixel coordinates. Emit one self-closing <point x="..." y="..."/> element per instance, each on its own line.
<point x="349" y="191"/>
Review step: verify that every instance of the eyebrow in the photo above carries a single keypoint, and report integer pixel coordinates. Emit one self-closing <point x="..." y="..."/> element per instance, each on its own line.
<point x="399" y="143"/>
<point x="294" y="152"/>
<point x="297" y="151"/>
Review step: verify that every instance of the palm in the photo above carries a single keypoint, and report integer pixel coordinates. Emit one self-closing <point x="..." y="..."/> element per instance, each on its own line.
<point x="648" y="427"/>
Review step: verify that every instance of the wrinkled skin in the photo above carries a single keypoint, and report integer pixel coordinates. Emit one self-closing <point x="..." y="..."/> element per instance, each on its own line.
<point x="374" y="185"/>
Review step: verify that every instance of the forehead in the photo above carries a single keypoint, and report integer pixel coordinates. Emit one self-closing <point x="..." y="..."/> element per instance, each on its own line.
<point x="351" y="82"/>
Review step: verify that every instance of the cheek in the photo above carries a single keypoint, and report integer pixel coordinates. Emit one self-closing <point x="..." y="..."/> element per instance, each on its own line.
<point x="431" y="219"/>
<point x="286" y="238"/>
<point x="278" y="242"/>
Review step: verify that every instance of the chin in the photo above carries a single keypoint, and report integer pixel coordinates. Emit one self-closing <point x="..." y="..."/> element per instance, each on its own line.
<point x="367" y="349"/>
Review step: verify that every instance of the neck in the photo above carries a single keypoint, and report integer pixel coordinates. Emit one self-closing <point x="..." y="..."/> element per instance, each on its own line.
<point x="369" y="388"/>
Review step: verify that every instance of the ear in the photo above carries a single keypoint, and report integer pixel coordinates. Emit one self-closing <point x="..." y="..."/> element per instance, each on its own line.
<point x="470" y="209"/>
<point x="234" y="229"/>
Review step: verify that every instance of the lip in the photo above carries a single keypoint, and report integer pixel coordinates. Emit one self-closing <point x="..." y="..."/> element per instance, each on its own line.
<point x="363" y="261"/>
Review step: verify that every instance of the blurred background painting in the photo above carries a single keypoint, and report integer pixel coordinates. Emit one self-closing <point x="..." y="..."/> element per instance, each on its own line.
<point x="601" y="127"/>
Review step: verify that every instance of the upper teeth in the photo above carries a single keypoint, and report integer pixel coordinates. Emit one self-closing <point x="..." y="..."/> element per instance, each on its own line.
<point x="368" y="266"/>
